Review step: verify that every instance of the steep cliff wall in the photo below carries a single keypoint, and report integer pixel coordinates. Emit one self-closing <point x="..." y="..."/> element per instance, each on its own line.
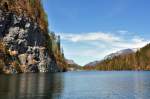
<point x="25" y="44"/>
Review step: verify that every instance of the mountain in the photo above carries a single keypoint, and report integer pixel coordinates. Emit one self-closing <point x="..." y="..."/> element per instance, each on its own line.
<point x="26" y="45"/>
<point x="69" y="61"/>
<point x="121" y="52"/>
<point x="128" y="59"/>
<point x="72" y="66"/>
<point x="112" y="55"/>
<point x="92" y="63"/>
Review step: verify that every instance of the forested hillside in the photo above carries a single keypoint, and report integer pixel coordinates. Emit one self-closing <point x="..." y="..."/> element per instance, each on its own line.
<point x="139" y="60"/>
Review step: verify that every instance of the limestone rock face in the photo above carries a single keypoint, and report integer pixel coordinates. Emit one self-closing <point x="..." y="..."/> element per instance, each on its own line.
<point x="24" y="42"/>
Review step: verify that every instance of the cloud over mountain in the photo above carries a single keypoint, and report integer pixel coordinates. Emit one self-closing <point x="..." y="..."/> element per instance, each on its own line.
<point x="96" y="45"/>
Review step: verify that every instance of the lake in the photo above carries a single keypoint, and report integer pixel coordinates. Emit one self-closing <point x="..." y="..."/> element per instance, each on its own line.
<point x="77" y="85"/>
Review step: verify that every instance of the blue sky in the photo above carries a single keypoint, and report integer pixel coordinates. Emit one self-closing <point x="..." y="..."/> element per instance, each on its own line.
<point x="92" y="29"/>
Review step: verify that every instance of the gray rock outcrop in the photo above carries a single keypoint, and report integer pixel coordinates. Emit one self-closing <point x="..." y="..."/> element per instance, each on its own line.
<point x="25" y="42"/>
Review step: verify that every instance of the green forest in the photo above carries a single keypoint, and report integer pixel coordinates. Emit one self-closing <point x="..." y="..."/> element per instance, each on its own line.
<point x="134" y="61"/>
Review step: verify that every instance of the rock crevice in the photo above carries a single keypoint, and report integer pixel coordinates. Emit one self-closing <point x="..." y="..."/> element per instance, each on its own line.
<point x="25" y="45"/>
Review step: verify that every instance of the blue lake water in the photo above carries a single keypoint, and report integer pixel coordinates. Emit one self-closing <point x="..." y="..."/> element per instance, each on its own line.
<point x="77" y="85"/>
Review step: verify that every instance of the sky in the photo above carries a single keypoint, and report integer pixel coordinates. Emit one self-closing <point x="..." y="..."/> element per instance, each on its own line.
<point x="92" y="29"/>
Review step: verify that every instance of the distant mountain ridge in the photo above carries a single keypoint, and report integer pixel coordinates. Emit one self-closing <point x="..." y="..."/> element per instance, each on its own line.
<point x="69" y="61"/>
<point x="92" y="63"/>
<point x="110" y="56"/>
<point x="121" y="52"/>
<point x="127" y="59"/>
<point x="72" y="66"/>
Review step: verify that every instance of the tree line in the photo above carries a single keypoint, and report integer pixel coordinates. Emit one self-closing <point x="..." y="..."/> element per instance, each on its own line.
<point x="133" y="61"/>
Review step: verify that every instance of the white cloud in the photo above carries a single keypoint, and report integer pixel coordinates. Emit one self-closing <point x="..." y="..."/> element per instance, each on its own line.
<point x="110" y="39"/>
<point x="92" y="36"/>
<point x="134" y="42"/>
<point x="96" y="45"/>
<point x="122" y="32"/>
<point x="138" y="39"/>
<point x="124" y="45"/>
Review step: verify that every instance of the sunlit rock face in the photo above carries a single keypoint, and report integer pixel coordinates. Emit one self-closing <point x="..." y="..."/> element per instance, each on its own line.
<point x="24" y="43"/>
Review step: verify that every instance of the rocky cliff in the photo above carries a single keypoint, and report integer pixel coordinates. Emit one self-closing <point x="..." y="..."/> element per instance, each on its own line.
<point x="25" y="44"/>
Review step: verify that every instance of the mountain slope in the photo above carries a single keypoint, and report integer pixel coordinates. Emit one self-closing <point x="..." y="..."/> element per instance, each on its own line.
<point x="138" y="60"/>
<point x="93" y="63"/>
<point x="121" y="52"/>
<point x="25" y="44"/>
<point x="72" y="66"/>
<point x="112" y="55"/>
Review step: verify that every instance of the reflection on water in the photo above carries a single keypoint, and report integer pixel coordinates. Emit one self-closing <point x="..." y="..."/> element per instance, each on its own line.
<point x="76" y="85"/>
<point x="30" y="86"/>
<point x="141" y="86"/>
